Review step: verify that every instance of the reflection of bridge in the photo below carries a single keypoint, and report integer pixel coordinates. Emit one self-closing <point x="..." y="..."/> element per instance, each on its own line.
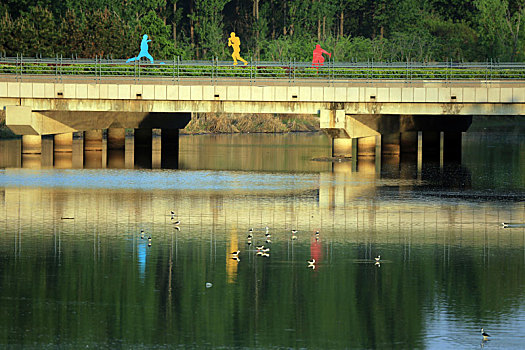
<point x="362" y="114"/>
<point x="342" y="212"/>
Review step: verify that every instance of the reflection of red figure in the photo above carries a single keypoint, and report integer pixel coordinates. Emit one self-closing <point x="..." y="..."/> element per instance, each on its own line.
<point x="318" y="58"/>
<point x="315" y="250"/>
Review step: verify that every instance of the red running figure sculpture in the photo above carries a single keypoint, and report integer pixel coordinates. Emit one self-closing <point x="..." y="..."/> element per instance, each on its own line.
<point x="318" y="59"/>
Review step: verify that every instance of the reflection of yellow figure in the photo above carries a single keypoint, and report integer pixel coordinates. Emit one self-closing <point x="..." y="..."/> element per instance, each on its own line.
<point x="236" y="43"/>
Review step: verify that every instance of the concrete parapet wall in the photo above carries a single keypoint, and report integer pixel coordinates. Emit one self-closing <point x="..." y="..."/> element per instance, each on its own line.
<point x="434" y="92"/>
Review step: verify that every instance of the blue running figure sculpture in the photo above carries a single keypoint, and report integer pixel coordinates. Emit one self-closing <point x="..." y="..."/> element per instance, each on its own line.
<point x="143" y="50"/>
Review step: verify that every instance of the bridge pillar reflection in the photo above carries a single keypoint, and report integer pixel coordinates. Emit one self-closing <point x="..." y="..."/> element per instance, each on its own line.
<point x="410" y="148"/>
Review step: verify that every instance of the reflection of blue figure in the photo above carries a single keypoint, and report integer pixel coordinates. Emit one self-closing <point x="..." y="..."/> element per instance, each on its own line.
<point x="141" y="259"/>
<point x="143" y="50"/>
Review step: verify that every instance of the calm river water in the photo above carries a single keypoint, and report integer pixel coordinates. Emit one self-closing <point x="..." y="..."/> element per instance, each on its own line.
<point x="76" y="272"/>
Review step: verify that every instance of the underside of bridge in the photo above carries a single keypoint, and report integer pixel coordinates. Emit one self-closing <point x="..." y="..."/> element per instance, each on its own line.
<point x="433" y="137"/>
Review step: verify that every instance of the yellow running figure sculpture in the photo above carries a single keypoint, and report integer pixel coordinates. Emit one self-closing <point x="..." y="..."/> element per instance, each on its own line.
<point x="236" y="43"/>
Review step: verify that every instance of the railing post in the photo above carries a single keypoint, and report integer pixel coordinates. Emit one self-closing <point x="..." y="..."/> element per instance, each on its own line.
<point x="406" y="76"/>
<point x="372" y="71"/>
<point x="173" y="70"/>
<point x="294" y="70"/>
<point x="446" y="71"/>
<point x="491" y="69"/>
<point x="61" y="59"/>
<point x="178" y="68"/>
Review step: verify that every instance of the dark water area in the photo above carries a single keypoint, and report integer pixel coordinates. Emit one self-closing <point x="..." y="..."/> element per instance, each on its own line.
<point x="76" y="271"/>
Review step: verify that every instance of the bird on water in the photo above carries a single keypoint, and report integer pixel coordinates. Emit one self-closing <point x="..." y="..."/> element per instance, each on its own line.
<point x="311" y="264"/>
<point x="378" y="258"/>
<point x="484" y="334"/>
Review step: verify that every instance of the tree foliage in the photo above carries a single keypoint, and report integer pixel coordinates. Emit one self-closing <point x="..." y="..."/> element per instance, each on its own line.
<point x="397" y="30"/>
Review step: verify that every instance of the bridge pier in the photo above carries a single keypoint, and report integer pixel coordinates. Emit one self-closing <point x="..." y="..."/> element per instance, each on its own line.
<point x="47" y="154"/>
<point x="31" y="144"/>
<point x="63" y="150"/>
<point x="408" y="147"/>
<point x="341" y="147"/>
<point x="170" y="148"/>
<point x="129" y="149"/>
<point x="144" y="147"/>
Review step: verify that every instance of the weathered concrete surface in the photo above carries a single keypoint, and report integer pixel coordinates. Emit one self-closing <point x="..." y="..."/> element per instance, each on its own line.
<point x="59" y="107"/>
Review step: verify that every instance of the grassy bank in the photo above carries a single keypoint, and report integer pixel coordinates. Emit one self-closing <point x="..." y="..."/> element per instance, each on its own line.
<point x="236" y="123"/>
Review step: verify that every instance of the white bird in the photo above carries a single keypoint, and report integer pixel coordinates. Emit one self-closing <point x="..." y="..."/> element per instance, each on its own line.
<point x="311" y="263"/>
<point x="236" y="252"/>
<point x="176" y="223"/>
<point x="378" y="258"/>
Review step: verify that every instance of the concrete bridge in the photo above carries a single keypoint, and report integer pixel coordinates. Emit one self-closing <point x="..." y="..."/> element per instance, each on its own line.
<point x="362" y="117"/>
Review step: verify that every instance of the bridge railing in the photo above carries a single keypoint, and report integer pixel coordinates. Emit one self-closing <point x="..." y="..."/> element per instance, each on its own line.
<point x="218" y="72"/>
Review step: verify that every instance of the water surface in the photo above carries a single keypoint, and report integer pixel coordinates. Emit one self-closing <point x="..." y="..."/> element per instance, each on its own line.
<point x="75" y="271"/>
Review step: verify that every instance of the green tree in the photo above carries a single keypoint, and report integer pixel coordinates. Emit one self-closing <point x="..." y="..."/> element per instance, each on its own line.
<point x="162" y="45"/>
<point x="209" y="28"/>
<point x="491" y="25"/>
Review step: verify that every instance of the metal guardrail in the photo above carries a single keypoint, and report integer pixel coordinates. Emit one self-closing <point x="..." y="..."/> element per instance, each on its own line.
<point x="175" y="71"/>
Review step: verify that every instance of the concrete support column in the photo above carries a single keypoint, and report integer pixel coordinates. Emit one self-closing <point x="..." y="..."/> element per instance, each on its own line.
<point x="451" y="147"/>
<point x="63" y="142"/>
<point x="129" y="149"/>
<point x="31" y="144"/>
<point x="408" y="142"/>
<point x="391" y="144"/>
<point x="104" y="154"/>
<point x="156" y="140"/>
<point x="78" y="150"/>
<point x="63" y="147"/>
<point x="143" y="148"/>
<point x="94" y="156"/>
<point x="431" y="146"/>
<point x="390" y="152"/>
<point x="116" y="138"/>
<point x="366" y="146"/>
<point x="170" y="149"/>
<point x="93" y="140"/>
<point x="47" y="158"/>
<point x="341" y="147"/>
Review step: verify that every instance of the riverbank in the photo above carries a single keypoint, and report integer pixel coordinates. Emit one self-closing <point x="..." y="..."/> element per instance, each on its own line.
<point x="210" y="123"/>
